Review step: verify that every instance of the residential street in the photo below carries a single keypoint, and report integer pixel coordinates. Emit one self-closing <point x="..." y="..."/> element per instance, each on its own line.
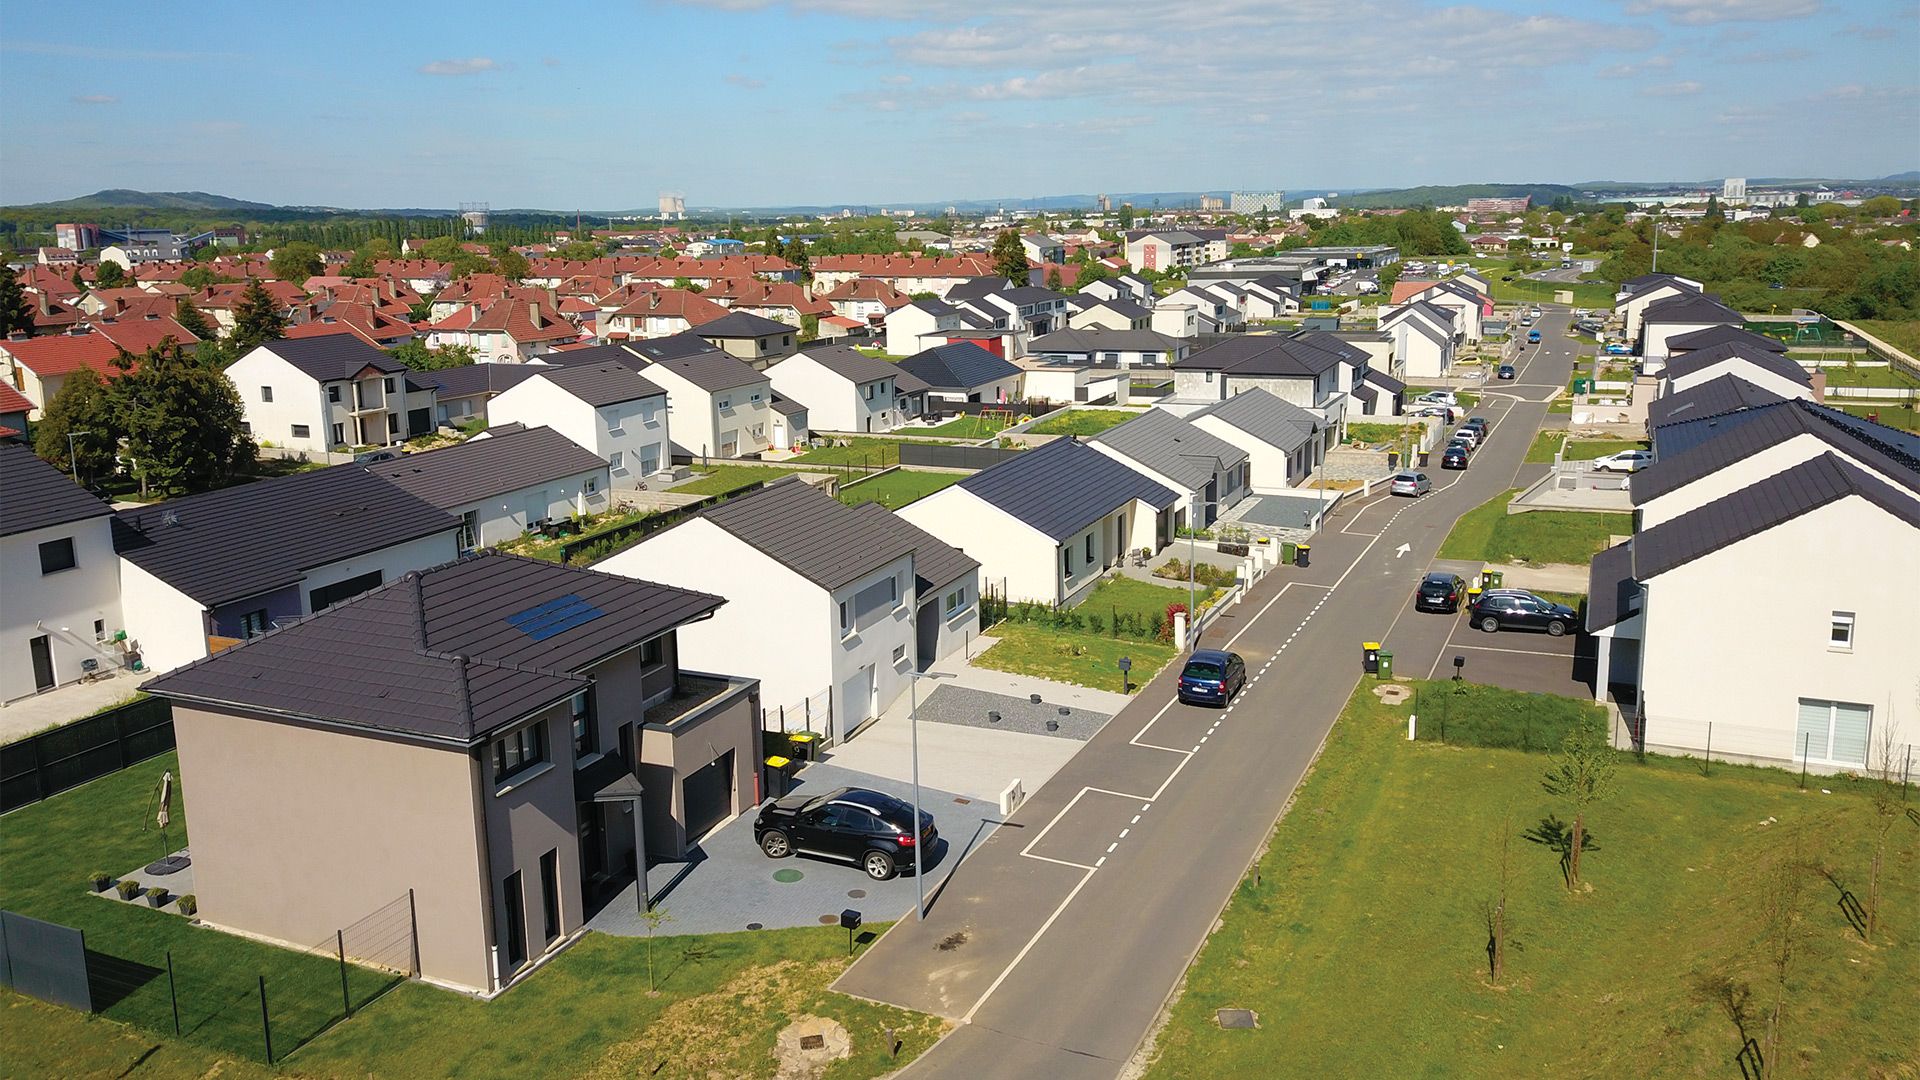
<point x="1057" y="943"/>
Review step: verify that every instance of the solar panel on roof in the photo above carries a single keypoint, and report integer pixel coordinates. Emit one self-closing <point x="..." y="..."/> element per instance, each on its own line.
<point x="556" y="616"/>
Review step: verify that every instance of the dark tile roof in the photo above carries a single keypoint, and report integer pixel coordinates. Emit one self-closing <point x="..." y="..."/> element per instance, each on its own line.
<point x="602" y="384"/>
<point x="242" y="541"/>
<point x="1762" y="427"/>
<point x="1637" y="285"/>
<point x="1611" y="591"/>
<point x="1301" y="355"/>
<point x="742" y="324"/>
<point x="1100" y="339"/>
<point x="1163" y="442"/>
<point x="35" y="495"/>
<point x="1725" y="335"/>
<point x="1690" y="307"/>
<point x="472" y="379"/>
<point x="787" y="408"/>
<point x="485" y="467"/>
<point x="850" y="363"/>
<point x="906" y="382"/>
<point x="808" y="531"/>
<point x="936" y="564"/>
<point x="593" y="354"/>
<point x="1029" y="295"/>
<point x="1268" y="417"/>
<point x="673" y="346"/>
<point x="1758" y="507"/>
<point x="1715" y="397"/>
<point x="1700" y="359"/>
<point x="330" y="357"/>
<point x="711" y="371"/>
<point x="1062" y="487"/>
<point x="448" y="654"/>
<point x="1385" y="381"/>
<point x="973" y="289"/>
<point x="1126" y="309"/>
<point x="958" y="366"/>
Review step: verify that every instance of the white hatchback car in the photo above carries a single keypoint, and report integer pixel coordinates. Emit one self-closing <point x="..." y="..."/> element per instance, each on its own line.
<point x="1626" y="461"/>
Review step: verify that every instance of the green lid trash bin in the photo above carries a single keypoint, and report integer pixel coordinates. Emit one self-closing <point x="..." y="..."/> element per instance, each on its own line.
<point x="1494" y="578"/>
<point x="1386" y="665"/>
<point x="1288" y="549"/>
<point x="1583" y="385"/>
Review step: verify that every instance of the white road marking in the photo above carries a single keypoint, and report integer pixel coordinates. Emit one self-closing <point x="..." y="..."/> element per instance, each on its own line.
<point x="1111" y="846"/>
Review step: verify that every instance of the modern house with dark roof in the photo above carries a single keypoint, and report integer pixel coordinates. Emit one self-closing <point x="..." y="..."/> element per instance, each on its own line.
<point x="1281" y="439"/>
<point x="963" y="371"/>
<point x="757" y="340"/>
<point x="59" y="575"/>
<point x="1424" y="338"/>
<point x="330" y="392"/>
<point x="722" y="406"/>
<point x="199" y="573"/>
<point x="1046" y="524"/>
<point x="828" y="605"/>
<point x="461" y="394"/>
<point x="1116" y="314"/>
<point x="1717" y="396"/>
<point x="1637" y="294"/>
<point x="499" y="745"/>
<point x="843" y="388"/>
<point x="1111" y="348"/>
<point x="1680" y="316"/>
<point x="606" y="407"/>
<point x="502" y="483"/>
<point x="1723" y="335"/>
<point x="1210" y="474"/>
<point x="1769" y="371"/>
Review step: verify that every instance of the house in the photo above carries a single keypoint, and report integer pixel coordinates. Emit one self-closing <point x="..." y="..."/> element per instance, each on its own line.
<point x="1217" y="307"/>
<point x="1130" y="287"/>
<point x="37" y="367"/>
<point x="791" y="425"/>
<point x="1209" y="474"/>
<point x="720" y="405"/>
<point x="606" y="407"/>
<point x="363" y="321"/>
<point x="496" y="744"/>
<point x="1470" y="306"/>
<point x="1807" y="671"/>
<point x="1723" y="335"/>
<point x="1076" y="381"/>
<point x="62" y="607"/>
<point x="1126" y="349"/>
<point x="512" y="330"/>
<point x="200" y="572"/>
<point x="910" y="273"/>
<point x="1041" y="248"/>
<point x="503" y="484"/>
<point x="1678" y="316"/>
<point x="1637" y="294"/>
<point x="825" y="602"/>
<point x="783" y="302"/>
<point x="1424" y="338"/>
<point x="1714" y="397"/>
<point x="1175" y="319"/>
<point x="1024" y="310"/>
<point x="1112" y="315"/>
<point x="1283" y="442"/>
<point x="1165" y="250"/>
<point x="1047" y="524"/>
<point x="658" y="313"/>
<point x="1304" y="368"/>
<point x="335" y="390"/>
<point x="1770" y="371"/>
<point x="910" y="327"/>
<point x="462" y="394"/>
<point x="14" y="409"/>
<point x="842" y="388"/>
<point x="964" y="371"/>
<point x="749" y="337"/>
<point x="866" y="300"/>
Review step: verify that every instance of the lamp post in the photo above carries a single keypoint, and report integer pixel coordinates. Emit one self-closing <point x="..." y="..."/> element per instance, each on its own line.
<point x="913" y="721"/>
<point x="73" y="463"/>
<point x="1193" y="534"/>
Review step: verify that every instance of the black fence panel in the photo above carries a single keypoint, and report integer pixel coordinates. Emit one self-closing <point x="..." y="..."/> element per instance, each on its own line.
<point x="942" y="407"/>
<point x="44" y="960"/>
<point x="953" y="457"/>
<point x="72" y="754"/>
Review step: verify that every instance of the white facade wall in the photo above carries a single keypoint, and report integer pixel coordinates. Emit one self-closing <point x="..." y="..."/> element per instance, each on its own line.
<point x="1176" y="320"/>
<point x="1742" y="658"/>
<point x="1011" y="554"/>
<point x="1631" y="310"/>
<point x="957" y="624"/>
<point x="1272" y="470"/>
<point x="633" y="438"/>
<point x="297" y="400"/>
<point x="391" y="562"/>
<point x="1654" y="338"/>
<point x="833" y="402"/>
<point x="1417" y="355"/>
<point x="164" y="625"/>
<point x="907" y="325"/>
<point x="505" y="516"/>
<point x="62" y="606"/>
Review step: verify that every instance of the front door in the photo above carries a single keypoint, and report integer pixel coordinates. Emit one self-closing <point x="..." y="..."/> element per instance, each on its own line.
<point x="42" y="650"/>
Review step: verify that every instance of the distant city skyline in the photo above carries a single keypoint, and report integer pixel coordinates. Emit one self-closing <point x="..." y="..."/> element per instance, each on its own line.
<point x="852" y="102"/>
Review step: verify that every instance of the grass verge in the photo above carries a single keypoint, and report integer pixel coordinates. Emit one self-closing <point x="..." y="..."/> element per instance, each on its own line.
<point x="969" y="427"/>
<point x="1080" y="421"/>
<point x="898" y="488"/>
<point x="724" y="478"/>
<point x="1069" y="656"/>
<point x="1487" y="533"/>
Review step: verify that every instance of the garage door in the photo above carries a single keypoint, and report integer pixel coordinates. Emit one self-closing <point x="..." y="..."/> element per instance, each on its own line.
<point x="707" y="794"/>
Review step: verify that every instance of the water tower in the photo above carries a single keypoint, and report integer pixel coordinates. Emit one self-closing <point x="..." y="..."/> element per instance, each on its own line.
<point x="475" y="215"/>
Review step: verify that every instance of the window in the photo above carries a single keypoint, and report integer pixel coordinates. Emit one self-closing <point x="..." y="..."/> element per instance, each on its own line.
<point x="1840" y="632"/>
<point x="393" y="423"/>
<point x="617" y="460"/>
<point x="550" y="892"/>
<point x="1833" y="731"/>
<point x="387" y="384"/>
<point x="99" y="629"/>
<point x="339" y="434"/>
<point x="253" y="623"/>
<point x="899" y="655"/>
<point x="519" y="751"/>
<point x="333" y="393"/>
<point x="580" y="709"/>
<point x="653" y="653"/>
<point x="1209" y="376"/>
<point x="846" y="625"/>
<point x="1089" y="547"/>
<point x="869" y="390"/>
<point x="593" y="484"/>
<point x="755" y="396"/>
<point x="326" y="596"/>
<point x="469" y="537"/>
<point x="1066" y="562"/>
<point x="57" y="555"/>
<point x="726" y="403"/>
<point x="515" y="946"/>
<point x="266" y="393"/>
<point x="302" y="431"/>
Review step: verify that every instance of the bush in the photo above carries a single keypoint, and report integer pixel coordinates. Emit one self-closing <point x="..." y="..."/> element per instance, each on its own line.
<point x="128" y="889"/>
<point x="189" y="906"/>
<point x="157" y="892"/>
<point x="100" y="879"/>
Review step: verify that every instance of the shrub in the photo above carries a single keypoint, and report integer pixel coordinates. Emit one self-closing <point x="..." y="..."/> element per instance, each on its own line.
<point x="100" y="879"/>
<point x="1096" y="624"/>
<point x="189" y="906"/>
<point x="128" y="889"/>
<point x="156" y="892"/>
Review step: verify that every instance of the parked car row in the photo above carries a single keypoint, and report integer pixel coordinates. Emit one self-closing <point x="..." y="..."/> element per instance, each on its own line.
<point x="1494" y="609"/>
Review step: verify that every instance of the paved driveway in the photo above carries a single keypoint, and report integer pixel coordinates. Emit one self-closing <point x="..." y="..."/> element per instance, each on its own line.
<point x="1424" y="645"/>
<point x="732" y="886"/>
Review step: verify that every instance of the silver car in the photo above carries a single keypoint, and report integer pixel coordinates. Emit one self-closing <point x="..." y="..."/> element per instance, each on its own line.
<point x="1414" y="484"/>
<point x="1626" y="461"/>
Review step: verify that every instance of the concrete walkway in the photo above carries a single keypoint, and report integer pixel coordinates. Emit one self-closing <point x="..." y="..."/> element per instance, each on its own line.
<point x="975" y="762"/>
<point x="1553" y="577"/>
<point x="67" y="703"/>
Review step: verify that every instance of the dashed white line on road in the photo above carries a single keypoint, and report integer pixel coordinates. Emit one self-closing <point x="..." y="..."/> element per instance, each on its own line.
<point x="1111" y="846"/>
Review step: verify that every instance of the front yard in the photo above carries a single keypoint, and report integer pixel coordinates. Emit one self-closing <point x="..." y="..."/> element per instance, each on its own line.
<point x="1487" y="533"/>
<point x="721" y="479"/>
<point x="867" y="453"/>
<point x="1080" y="658"/>
<point x="1874" y="378"/>
<point x="1547" y="443"/>
<point x="970" y="427"/>
<point x="1361" y="944"/>
<point x="898" y="488"/>
<point x="1080" y="421"/>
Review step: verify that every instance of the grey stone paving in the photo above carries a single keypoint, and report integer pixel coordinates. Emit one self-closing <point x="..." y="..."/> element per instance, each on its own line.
<point x="1295" y="511"/>
<point x="975" y="708"/>
<point x="732" y="884"/>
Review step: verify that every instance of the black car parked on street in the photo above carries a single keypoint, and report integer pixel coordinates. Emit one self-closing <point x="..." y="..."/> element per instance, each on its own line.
<point x="1440" y="592"/>
<point x="870" y="829"/>
<point x="1517" y="609"/>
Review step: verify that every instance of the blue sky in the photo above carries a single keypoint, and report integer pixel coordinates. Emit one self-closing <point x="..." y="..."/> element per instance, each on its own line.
<point x="754" y="102"/>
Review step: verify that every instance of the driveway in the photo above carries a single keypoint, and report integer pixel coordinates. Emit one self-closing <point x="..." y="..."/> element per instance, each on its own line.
<point x="965" y="752"/>
<point x="730" y="885"/>
<point x="1424" y="645"/>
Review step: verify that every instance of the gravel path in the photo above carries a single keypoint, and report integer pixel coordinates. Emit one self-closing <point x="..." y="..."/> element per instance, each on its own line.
<point x="974" y="708"/>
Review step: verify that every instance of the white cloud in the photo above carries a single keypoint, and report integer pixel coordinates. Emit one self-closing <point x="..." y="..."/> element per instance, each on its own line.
<point x="1677" y="89"/>
<point x="745" y="82"/>
<point x="1869" y="33"/>
<point x="1772" y="56"/>
<point x="1070" y="82"/>
<point x="1709" y="12"/>
<point x="1642" y="67"/>
<point x="472" y="66"/>
<point x="95" y="99"/>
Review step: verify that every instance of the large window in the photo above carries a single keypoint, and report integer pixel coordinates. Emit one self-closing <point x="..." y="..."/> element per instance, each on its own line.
<point x="57" y="555"/>
<point x="1833" y="731"/>
<point x="328" y="595"/>
<point x="585" y="739"/>
<point x="469" y="536"/>
<point x="519" y="751"/>
<point x="253" y="623"/>
<point x="550" y="892"/>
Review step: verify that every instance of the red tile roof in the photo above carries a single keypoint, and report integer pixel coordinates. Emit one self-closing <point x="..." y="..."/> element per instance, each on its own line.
<point x="671" y="303"/>
<point x="12" y="400"/>
<point x="138" y="335"/>
<point x="64" y="354"/>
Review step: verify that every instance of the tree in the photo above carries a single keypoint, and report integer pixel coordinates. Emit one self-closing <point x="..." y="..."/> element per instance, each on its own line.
<point x="1010" y="257"/>
<point x="199" y="277"/>
<point x="109" y="275"/>
<point x="1092" y="272"/>
<point x="1583" y="774"/>
<point x="15" y="312"/>
<point x="296" y="261"/>
<point x="797" y="255"/>
<point x="82" y="404"/>
<point x="653" y="917"/>
<point x="191" y="320"/>
<point x="579" y="251"/>
<point x="256" y="318"/>
<point x="1887" y="813"/>
<point x="1782" y="913"/>
<point x="1496" y="907"/>
<point x="1053" y="278"/>
<point x="1715" y="215"/>
<point x="1126" y="216"/>
<point x="184" y="423"/>
<point x="509" y="263"/>
<point x="418" y="357"/>
<point x="809" y="327"/>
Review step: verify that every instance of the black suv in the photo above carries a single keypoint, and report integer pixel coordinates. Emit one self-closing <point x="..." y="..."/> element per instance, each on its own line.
<point x="1440" y="592"/>
<point x="870" y="829"/>
<point x="1503" y="609"/>
<point x="1479" y="425"/>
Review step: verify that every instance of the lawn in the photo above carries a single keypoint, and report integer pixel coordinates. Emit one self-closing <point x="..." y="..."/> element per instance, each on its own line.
<point x="898" y="488"/>
<point x="1903" y="334"/>
<point x="1131" y="596"/>
<point x="724" y="478"/>
<point x="1069" y="656"/>
<point x="1080" y="421"/>
<point x="534" y="545"/>
<point x="1487" y="533"/>
<point x="1361" y="432"/>
<point x="969" y="427"/>
<point x="871" y="453"/>
<point x="1878" y="378"/>
<point x="1586" y="294"/>
<point x="1897" y="416"/>
<point x="722" y="997"/>
<point x="1361" y="944"/>
<point x="1545" y="445"/>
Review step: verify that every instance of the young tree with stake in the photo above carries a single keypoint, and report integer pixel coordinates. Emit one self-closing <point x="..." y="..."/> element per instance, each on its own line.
<point x="1582" y="773"/>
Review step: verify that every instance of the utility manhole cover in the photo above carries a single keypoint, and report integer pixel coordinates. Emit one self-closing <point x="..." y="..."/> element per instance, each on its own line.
<point x="829" y="920"/>
<point x="1236" y="1018"/>
<point x="813" y="1042"/>
<point x="857" y="894"/>
<point x="756" y="926"/>
<point x="787" y="875"/>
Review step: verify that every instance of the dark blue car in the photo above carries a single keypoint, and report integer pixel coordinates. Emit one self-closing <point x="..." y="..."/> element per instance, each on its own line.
<point x="1212" y="677"/>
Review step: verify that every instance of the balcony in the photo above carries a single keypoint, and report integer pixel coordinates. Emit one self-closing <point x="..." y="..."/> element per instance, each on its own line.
<point x="696" y="696"/>
<point x="367" y="398"/>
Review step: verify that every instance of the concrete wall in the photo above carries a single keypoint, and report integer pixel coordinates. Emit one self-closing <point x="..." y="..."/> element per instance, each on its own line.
<point x="61" y="606"/>
<point x="297" y="399"/>
<point x="669" y="754"/>
<point x="504" y="517"/>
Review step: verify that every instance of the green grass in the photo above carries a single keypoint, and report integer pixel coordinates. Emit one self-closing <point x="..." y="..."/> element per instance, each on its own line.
<point x="1903" y="334"/>
<point x="970" y="427"/>
<point x="1076" y="657"/>
<point x="897" y="488"/>
<point x="1877" y="378"/>
<point x="1899" y="416"/>
<point x="722" y="997"/>
<point x="1545" y="445"/>
<point x="1362" y="943"/>
<point x="1376" y="433"/>
<point x="1487" y="533"/>
<point x="1131" y="596"/>
<point x="1080" y="421"/>
<point x="724" y="478"/>
<point x="1471" y="714"/>
<point x="874" y="453"/>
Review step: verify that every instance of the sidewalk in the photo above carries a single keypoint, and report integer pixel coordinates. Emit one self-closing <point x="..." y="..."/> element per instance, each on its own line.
<point x="67" y="703"/>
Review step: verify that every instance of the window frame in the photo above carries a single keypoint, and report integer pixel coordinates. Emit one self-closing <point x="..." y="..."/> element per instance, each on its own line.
<point x="531" y="749"/>
<point x="301" y="431"/>
<point x="56" y="545"/>
<point x="1842" y="631"/>
<point x="266" y="394"/>
<point x="583" y="724"/>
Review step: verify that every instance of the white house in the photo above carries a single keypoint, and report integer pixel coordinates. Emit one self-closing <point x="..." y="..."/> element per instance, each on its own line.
<point x="1279" y="438"/>
<point x="1468" y="304"/>
<point x="721" y="405"/>
<point x="964" y="371"/>
<point x="1678" y="316"/>
<point x="1176" y="319"/>
<point x="1209" y="474"/>
<point x="1043" y="249"/>
<point x="908" y="325"/>
<point x="499" y="485"/>
<point x="606" y="407"/>
<point x="1111" y="315"/>
<point x="1636" y="294"/>
<point x="336" y="390"/>
<point x="842" y="388"/>
<point x="827" y="605"/>
<point x="1769" y="371"/>
<point x="1048" y="523"/>
<point x="1424" y="336"/>
<point x="1125" y="349"/>
<point x="62" y="580"/>
<point x="1219" y="308"/>
<point x="231" y="564"/>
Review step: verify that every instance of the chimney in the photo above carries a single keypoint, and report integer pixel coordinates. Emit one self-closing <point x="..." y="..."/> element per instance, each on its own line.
<point x="1820" y="385"/>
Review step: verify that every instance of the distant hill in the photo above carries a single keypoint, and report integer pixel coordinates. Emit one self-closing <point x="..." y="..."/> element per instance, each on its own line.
<point x="124" y="198"/>
<point x="1451" y="195"/>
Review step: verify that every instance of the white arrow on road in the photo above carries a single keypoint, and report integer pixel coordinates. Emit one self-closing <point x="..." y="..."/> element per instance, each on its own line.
<point x="1401" y="553"/>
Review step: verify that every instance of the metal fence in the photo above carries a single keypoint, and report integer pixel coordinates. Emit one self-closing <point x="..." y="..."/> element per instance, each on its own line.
<point x="70" y="755"/>
<point x="941" y="407"/>
<point x="813" y="713"/>
<point x="953" y="457"/>
<point x="44" y="960"/>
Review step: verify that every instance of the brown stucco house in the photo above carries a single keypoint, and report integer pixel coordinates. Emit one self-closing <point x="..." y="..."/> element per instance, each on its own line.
<point x="502" y="738"/>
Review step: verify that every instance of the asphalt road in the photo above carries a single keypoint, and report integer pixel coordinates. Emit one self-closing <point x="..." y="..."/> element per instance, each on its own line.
<point x="1057" y="943"/>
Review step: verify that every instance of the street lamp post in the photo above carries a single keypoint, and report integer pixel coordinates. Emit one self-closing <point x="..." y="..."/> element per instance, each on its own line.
<point x="73" y="463"/>
<point x="913" y="721"/>
<point x="1193" y="538"/>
